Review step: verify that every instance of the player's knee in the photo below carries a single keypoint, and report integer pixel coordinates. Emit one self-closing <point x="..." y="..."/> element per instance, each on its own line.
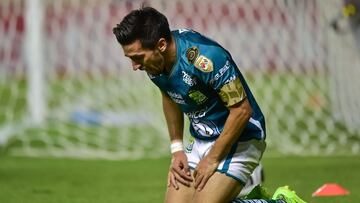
<point x="211" y="196"/>
<point x="183" y="194"/>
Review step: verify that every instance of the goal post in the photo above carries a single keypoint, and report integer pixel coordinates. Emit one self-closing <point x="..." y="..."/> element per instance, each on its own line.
<point x="34" y="57"/>
<point x="67" y="90"/>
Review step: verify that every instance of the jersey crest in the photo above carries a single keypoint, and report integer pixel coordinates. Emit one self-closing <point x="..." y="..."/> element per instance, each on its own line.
<point x="204" y="64"/>
<point x="200" y="61"/>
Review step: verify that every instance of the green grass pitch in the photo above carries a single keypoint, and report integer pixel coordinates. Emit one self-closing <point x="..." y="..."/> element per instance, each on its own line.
<point x="55" y="180"/>
<point x="34" y="180"/>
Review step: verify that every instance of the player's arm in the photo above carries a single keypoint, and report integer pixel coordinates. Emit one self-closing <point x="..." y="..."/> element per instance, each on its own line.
<point x="179" y="169"/>
<point x="174" y="118"/>
<point x="221" y="74"/>
<point x="238" y="117"/>
<point x="234" y="97"/>
<point x="240" y="112"/>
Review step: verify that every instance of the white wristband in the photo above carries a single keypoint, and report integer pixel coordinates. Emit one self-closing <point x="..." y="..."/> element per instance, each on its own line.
<point x="176" y="146"/>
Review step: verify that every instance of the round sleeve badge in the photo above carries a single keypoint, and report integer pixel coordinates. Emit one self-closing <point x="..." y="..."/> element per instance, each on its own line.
<point x="192" y="54"/>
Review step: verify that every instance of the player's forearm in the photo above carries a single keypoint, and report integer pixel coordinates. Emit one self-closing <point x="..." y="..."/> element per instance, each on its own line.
<point x="174" y="118"/>
<point x="234" y="125"/>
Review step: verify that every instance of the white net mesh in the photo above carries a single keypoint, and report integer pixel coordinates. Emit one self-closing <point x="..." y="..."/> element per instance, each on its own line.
<point x="96" y="107"/>
<point x="344" y="71"/>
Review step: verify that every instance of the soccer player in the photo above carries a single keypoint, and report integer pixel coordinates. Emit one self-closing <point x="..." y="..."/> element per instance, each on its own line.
<point x="349" y="12"/>
<point x="197" y="77"/>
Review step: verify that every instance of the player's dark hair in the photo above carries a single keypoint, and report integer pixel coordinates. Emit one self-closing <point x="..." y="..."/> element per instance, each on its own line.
<point x="145" y="24"/>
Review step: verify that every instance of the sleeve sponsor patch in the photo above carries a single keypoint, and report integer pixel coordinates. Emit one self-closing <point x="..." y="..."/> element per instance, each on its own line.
<point x="221" y="72"/>
<point x="204" y="64"/>
<point x="232" y="92"/>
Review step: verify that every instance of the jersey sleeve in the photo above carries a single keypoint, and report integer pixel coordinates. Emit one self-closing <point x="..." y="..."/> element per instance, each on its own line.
<point x="215" y="67"/>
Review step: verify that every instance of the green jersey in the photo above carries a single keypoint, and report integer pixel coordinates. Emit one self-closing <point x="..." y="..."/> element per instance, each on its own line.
<point x="202" y="83"/>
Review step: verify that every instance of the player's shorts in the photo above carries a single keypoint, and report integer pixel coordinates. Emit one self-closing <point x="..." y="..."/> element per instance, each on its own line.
<point x="241" y="161"/>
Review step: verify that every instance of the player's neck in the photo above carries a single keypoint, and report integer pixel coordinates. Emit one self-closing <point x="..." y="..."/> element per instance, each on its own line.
<point x="170" y="56"/>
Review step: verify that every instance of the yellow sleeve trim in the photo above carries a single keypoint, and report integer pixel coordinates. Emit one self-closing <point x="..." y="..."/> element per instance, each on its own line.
<point x="232" y="93"/>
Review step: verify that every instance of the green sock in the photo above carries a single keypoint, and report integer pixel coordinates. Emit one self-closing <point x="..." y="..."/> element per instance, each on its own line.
<point x="257" y="201"/>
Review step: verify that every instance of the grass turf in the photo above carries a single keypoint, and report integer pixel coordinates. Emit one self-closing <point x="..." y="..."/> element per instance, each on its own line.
<point x="37" y="180"/>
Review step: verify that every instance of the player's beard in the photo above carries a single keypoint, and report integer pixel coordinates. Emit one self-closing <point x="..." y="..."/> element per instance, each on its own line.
<point x="157" y="66"/>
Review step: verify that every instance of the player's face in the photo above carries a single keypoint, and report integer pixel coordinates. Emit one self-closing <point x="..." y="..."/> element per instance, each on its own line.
<point x="149" y="60"/>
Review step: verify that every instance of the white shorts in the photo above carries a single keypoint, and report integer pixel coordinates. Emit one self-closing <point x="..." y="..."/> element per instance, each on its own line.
<point x="241" y="161"/>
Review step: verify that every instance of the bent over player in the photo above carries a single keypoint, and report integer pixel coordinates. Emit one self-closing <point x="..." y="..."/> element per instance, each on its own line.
<point x="197" y="77"/>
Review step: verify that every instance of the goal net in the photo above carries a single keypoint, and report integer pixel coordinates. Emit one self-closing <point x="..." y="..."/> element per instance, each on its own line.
<point x="67" y="90"/>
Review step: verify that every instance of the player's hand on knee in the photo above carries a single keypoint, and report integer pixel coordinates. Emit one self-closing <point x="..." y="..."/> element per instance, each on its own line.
<point x="204" y="170"/>
<point x="171" y="181"/>
<point x="179" y="169"/>
<point x="174" y="179"/>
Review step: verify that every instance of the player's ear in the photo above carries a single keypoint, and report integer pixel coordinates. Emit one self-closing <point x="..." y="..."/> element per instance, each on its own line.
<point x="162" y="44"/>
